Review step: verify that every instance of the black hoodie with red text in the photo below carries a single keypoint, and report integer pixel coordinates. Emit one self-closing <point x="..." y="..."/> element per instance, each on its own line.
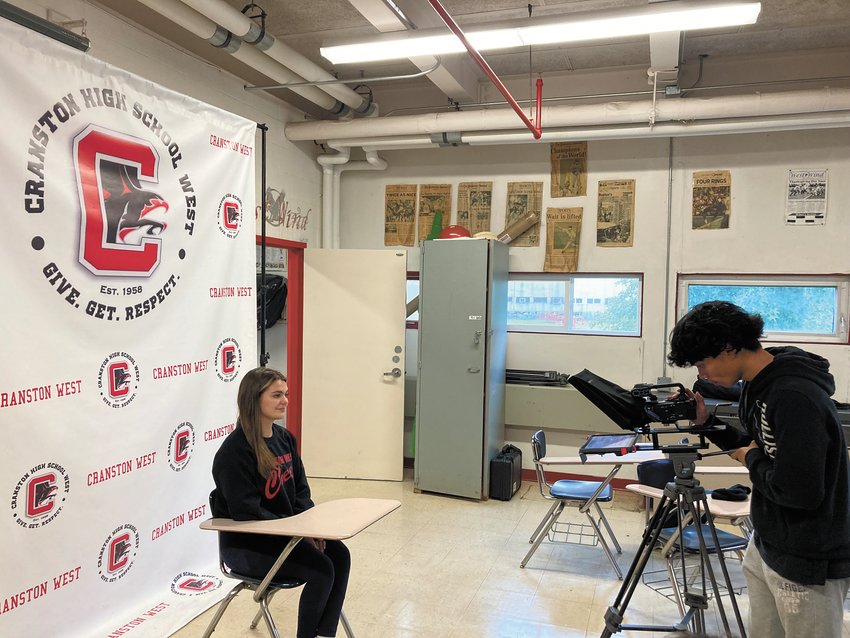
<point x="242" y="494"/>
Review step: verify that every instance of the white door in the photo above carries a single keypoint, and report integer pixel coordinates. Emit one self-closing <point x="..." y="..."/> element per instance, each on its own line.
<point x="352" y="423"/>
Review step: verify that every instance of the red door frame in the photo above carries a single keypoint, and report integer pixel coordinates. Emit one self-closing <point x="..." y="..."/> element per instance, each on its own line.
<point x="294" y="328"/>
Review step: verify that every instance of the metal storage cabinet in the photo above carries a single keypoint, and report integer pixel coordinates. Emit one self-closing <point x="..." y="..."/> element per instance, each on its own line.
<point x="460" y="397"/>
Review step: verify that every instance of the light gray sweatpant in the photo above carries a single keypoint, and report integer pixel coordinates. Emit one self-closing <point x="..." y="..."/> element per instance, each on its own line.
<point x="780" y="607"/>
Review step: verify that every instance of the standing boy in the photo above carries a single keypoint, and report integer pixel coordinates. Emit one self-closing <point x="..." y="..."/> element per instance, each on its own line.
<point x="798" y="562"/>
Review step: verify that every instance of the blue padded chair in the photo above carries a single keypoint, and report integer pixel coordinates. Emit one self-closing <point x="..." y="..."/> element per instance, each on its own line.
<point x="586" y="495"/>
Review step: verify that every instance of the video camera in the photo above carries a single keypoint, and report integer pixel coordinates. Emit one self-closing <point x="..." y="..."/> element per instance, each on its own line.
<point x="634" y="410"/>
<point x="679" y="408"/>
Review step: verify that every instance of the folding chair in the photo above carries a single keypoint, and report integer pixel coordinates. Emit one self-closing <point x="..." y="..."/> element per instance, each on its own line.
<point x="264" y="588"/>
<point x="586" y="495"/>
<point x="263" y="597"/>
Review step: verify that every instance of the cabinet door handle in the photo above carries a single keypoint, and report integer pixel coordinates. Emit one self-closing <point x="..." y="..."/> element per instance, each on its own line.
<point x="473" y="370"/>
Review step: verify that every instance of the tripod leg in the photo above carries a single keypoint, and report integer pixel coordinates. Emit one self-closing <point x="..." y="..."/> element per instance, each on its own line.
<point x="698" y="509"/>
<point x="614" y="614"/>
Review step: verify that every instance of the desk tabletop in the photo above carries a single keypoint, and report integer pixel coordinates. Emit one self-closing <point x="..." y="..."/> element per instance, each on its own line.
<point x="332" y="520"/>
<point x="633" y="458"/>
<point x="722" y="509"/>
<point x="720" y="469"/>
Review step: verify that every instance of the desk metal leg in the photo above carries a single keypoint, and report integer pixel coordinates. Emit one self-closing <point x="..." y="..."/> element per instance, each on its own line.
<point x="543" y="522"/>
<point x="267" y="615"/>
<point x="604" y="544"/>
<point x="261" y="589"/>
<point x="221" y="609"/>
<point x="345" y="624"/>
<point x="553" y="516"/>
<point x="259" y="613"/>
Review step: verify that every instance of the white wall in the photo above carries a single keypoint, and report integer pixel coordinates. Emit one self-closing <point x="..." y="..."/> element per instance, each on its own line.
<point x="756" y="242"/>
<point x="290" y="167"/>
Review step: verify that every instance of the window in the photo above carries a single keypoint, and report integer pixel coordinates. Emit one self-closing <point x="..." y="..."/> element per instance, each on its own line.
<point x="575" y="304"/>
<point x="412" y="293"/>
<point x="799" y="308"/>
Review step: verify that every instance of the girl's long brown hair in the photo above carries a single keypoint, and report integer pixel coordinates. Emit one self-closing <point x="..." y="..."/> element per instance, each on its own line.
<point x="252" y="386"/>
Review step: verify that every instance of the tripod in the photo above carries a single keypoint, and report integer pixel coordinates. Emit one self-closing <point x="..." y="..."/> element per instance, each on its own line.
<point x="682" y="495"/>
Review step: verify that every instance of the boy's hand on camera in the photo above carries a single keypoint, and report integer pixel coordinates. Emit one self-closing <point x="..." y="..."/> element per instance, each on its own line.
<point x="741" y="453"/>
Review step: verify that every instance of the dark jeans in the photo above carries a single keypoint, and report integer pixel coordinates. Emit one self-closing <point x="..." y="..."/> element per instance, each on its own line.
<point x="325" y="575"/>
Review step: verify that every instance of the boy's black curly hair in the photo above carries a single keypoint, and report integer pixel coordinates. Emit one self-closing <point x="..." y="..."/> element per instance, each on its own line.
<point x="709" y="329"/>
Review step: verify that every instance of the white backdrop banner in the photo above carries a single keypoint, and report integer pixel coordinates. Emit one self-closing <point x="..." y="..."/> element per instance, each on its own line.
<point x="128" y="319"/>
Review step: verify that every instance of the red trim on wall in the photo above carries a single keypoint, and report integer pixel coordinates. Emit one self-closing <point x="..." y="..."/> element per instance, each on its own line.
<point x="617" y="484"/>
<point x="294" y="329"/>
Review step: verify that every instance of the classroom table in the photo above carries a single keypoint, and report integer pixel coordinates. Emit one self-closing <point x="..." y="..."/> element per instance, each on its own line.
<point x="332" y="520"/>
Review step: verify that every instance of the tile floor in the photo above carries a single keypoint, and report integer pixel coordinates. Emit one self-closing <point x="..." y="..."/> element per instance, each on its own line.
<point x="443" y="567"/>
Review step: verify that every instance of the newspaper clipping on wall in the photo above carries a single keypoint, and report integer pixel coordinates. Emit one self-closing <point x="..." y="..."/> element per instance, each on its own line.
<point x="399" y="214"/>
<point x="563" y="231"/>
<point x="474" y="202"/>
<point x="615" y="215"/>
<point x="568" y="162"/>
<point x="712" y="199"/>
<point x="805" y="202"/>
<point x="434" y="199"/>
<point x="524" y="198"/>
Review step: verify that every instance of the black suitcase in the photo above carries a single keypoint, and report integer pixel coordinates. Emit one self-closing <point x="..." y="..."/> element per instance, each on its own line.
<point x="506" y="473"/>
<point x="275" y="286"/>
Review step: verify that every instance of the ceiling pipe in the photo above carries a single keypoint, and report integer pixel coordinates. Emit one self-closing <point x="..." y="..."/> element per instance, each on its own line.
<point x="372" y="163"/>
<point x="534" y="127"/>
<point x="666" y="129"/>
<point x="251" y="33"/>
<point x="608" y="114"/>
<point x="219" y="37"/>
<point x="332" y="167"/>
<point x="329" y="163"/>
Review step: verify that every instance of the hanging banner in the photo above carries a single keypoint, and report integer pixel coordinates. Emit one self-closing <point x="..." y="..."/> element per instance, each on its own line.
<point x="129" y="320"/>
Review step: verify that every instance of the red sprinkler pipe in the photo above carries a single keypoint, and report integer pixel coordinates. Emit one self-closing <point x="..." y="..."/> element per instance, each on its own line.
<point x="481" y="62"/>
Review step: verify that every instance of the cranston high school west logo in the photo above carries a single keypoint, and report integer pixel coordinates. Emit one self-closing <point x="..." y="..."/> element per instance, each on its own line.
<point x="39" y="495"/>
<point x="228" y="360"/>
<point x="110" y="206"/>
<point x="118" y="379"/>
<point x="180" y="446"/>
<point x="118" y="553"/>
<point x="192" y="584"/>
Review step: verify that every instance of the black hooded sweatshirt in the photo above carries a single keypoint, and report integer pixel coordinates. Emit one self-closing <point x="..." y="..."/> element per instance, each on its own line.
<point x="801" y="488"/>
<point x="244" y="495"/>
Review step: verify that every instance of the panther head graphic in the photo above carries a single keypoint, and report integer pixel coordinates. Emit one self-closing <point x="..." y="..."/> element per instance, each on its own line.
<point x="122" y="548"/>
<point x="44" y="492"/>
<point x="122" y="378"/>
<point x="132" y="213"/>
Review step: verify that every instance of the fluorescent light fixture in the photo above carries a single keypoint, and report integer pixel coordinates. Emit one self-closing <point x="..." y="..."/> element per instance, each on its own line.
<point x="44" y="27"/>
<point x="658" y="17"/>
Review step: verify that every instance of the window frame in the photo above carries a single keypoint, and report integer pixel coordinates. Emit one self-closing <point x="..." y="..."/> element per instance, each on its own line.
<point x="841" y="281"/>
<point x="569" y="276"/>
